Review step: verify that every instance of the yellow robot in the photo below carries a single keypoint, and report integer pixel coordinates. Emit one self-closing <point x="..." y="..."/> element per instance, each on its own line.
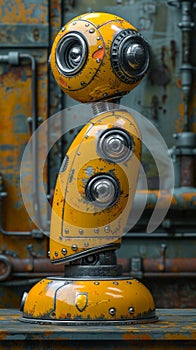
<point x="98" y="58"/>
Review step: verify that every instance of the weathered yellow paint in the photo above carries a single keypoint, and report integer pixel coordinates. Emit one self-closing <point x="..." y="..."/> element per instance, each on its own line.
<point x="57" y="299"/>
<point x="76" y="220"/>
<point x="96" y="80"/>
<point x="15" y="132"/>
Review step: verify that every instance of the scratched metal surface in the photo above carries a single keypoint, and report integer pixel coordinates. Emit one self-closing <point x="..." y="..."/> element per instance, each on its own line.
<point x="176" y="329"/>
<point x="30" y="26"/>
<point x="24" y="28"/>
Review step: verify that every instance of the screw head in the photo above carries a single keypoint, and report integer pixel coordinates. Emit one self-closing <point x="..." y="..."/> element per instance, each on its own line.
<point x="131" y="310"/>
<point x="112" y="311"/>
<point x="74" y="247"/>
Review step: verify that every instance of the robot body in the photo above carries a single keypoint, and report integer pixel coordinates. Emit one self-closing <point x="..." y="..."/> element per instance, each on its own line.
<point x="96" y="57"/>
<point x="95" y="187"/>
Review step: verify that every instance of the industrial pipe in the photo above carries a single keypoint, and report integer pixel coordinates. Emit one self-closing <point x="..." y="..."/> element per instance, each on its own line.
<point x="14" y="58"/>
<point x="182" y="198"/>
<point x="160" y="264"/>
<point x="143" y="267"/>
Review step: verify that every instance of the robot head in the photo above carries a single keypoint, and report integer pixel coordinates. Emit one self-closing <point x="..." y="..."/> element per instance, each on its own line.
<point x="98" y="56"/>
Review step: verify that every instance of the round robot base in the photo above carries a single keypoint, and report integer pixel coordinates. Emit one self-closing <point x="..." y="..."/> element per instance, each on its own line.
<point x="92" y="301"/>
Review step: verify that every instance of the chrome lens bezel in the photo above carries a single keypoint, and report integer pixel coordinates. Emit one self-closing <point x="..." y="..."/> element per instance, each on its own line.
<point x="63" y="61"/>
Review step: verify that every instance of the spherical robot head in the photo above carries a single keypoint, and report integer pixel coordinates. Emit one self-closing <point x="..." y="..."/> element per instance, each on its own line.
<point x="98" y="56"/>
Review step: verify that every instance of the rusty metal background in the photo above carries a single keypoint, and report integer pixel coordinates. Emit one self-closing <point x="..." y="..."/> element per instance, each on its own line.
<point x="28" y="29"/>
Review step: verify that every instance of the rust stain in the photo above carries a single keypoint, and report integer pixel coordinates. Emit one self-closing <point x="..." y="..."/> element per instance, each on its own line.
<point x="139" y="336"/>
<point x="20" y="12"/>
<point x="179" y="336"/>
<point x="180" y="111"/>
<point x="173" y="52"/>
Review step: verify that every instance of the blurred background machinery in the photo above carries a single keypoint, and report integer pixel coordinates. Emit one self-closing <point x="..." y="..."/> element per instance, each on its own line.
<point x="164" y="260"/>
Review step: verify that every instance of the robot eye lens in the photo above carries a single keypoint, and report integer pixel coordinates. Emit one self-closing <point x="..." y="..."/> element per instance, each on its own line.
<point x="71" y="54"/>
<point x="75" y="54"/>
<point x="103" y="190"/>
<point x="135" y="55"/>
<point x="115" y="145"/>
<point x="129" y="56"/>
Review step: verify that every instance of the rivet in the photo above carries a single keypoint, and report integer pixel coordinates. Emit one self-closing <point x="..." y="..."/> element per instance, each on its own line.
<point x="96" y="230"/>
<point x="86" y="244"/>
<point x="86" y="24"/>
<point x="96" y="283"/>
<point x="78" y="153"/>
<point x="74" y="247"/>
<point x="112" y="311"/>
<point x="100" y="47"/>
<point x="83" y="83"/>
<point x="81" y="231"/>
<point x="107" y="229"/>
<point x="98" y="60"/>
<point x="56" y="254"/>
<point x="73" y="24"/>
<point x="105" y="94"/>
<point x="116" y="283"/>
<point x="64" y="251"/>
<point x="98" y="38"/>
<point x="49" y="254"/>
<point x="131" y="309"/>
<point x="63" y="29"/>
<point x="92" y="30"/>
<point x="66" y="230"/>
<point x="129" y="282"/>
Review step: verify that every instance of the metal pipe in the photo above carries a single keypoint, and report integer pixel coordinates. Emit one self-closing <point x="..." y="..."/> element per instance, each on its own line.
<point x="185" y="151"/>
<point x="160" y="235"/>
<point x="175" y="265"/>
<point x="34" y="265"/>
<point x="173" y="275"/>
<point x="159" y="265"/>
<point x="183" y="198"/>
<point x="13" y="58"/>
<point x="186" y="25"/>
<point x="35" y="177"/>
<point x="40" y="267"/>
